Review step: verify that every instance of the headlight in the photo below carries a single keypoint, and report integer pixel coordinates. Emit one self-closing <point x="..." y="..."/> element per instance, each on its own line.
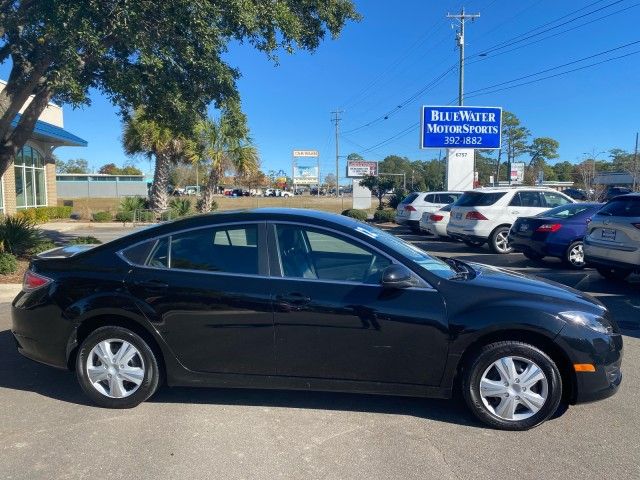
<point x="589" y="320"/>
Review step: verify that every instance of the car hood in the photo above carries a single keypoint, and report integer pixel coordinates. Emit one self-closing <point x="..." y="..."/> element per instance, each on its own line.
<point x="516" y="284"/>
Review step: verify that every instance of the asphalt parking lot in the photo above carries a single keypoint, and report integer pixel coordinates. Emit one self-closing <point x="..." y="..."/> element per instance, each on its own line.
<point x="48" y="430"/>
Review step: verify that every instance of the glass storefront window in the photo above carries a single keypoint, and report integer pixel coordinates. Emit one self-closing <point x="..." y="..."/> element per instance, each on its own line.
<point x="31" y="188"/>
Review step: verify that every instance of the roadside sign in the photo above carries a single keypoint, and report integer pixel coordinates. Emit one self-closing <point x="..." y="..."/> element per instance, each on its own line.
<point x="305" y="175"/>
<point x="460" y="127"/>
<point x="360" y="168"/>
<point x="306" y="153"/>
<point x="517" y="172"/>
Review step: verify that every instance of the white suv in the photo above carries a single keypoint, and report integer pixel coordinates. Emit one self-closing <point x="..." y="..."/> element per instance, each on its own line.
<point x="486" y="214"/>
<point x="410" y="210"/>
<point x="612" y="243"/>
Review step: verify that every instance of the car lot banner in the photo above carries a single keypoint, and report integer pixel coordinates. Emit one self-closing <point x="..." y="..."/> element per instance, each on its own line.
<point x="361" y="168"/>
<point x="305" y="175"/>
<point x="460" y="127"/>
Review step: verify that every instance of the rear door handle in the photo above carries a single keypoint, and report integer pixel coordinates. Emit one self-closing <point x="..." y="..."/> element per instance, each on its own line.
<point x="293" y="299"/>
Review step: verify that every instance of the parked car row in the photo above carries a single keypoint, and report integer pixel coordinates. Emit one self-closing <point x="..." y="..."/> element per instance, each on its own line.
<point x="540" y="222"/>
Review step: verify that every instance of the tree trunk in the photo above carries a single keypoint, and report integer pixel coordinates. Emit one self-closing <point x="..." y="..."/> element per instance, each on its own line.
<point x="159" y="190"/>
<point x="209" y="191"/>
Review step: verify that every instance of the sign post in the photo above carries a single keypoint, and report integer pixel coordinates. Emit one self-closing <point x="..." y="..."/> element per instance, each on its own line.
<point x="461" y="130"/>
<point x="356" y="170"/>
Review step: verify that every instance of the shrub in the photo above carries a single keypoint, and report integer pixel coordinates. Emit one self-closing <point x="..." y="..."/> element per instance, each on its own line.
<point x="124" y="217"/>
<point x="101" y="217"/>
<point x="44" y="214"/>
<point x="180" y="207"/>
<point x="19" y="235"/>
<point x="129" y="204"/>
<point x="397" y="197"/>
<point x="384" y="216"/>
<point x="43" y="245"/>
<point x="8" y="263"/>
<point x="199" y="205"/>
<point x="88" y="240"/>
<point x="145" y="216"/>
<point x="355" y="213"/>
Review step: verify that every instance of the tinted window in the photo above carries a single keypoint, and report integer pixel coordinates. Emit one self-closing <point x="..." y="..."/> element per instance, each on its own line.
<point x="479" y="199"/>
<point x="515" y="201"/>
<point x="552" y="199"/>
<point x="567" y="211"/>
<point x="410" y="198"/>
<point x="138" y="254"/>
<point x="315" y="254"/>
<point x="446" y="208"/>
<point x="431" y="198"/>
<point x="531" y="199"/>
<point x="622" y="207"/>
<point x="448" y="197"/>
<point x="159" y="257"/>
<point x="224" y="249"/>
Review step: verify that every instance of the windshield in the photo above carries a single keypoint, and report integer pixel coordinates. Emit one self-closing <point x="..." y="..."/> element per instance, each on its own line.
<point x="567" y="211"/>
<point x="622" y="207"/>
<point x="478" y="199"/>
<point x="411" y="252"/>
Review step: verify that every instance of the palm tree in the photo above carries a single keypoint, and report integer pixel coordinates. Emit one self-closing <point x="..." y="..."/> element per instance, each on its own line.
<point x="145" y="136"/>
<point x="225" y="146"/>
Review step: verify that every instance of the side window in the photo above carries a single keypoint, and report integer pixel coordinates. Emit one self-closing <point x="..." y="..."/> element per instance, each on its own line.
<point x="530" y="199"/>
<point x="552" y="199"/>
<point x="138" y="254"/>
<point x="315" y="254"/>
<point x="430" y="198"/>
<point x="159" y="256"/>
<point x="224" y="249"/>
<point x="515" y="201"/>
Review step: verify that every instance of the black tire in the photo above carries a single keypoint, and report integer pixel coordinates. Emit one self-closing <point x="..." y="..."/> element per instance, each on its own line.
<point x="570" y="256"/>
<point x="496" y="239"/>
<point x="145" y="358"/>
<point x="473" y="243"/>
<point x="485" y="357"/>
<point x="612" y="273"/>
<point x="533" y="256"/>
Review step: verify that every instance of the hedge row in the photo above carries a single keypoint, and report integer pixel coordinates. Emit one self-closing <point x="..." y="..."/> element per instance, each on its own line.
<point x="44" y="214"/>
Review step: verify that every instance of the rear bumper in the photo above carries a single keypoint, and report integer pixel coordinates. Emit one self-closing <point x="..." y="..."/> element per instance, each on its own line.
<point x="540" y="248"/>
<point x="476" y="232"/>
<point x="609" y="256"/>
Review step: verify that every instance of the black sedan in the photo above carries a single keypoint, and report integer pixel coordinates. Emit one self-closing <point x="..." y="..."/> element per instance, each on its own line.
<point x="293" y="299"/>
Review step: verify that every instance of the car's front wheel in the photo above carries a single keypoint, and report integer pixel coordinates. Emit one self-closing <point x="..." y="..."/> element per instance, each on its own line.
<point x="116" y="368"/>
<point x="512" y="385"/>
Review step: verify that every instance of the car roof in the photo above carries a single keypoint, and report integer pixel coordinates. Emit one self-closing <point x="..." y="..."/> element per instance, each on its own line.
<point x="511" y="189"/>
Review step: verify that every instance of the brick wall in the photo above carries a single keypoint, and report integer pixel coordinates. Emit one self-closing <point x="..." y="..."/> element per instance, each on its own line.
<point x="9" y="190"/>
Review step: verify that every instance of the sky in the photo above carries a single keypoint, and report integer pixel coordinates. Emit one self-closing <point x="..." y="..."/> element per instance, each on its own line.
<point x="403" y="55"/>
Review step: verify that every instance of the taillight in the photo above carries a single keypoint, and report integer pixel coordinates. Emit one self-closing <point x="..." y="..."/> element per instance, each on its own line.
<point x="436" y="218"/>
<point x="475" y="216"/>
<point x="410" y="208"/>
<point x="637" y="225"/>
<point x="33" y="281"/>
<point x="549" y="227"/>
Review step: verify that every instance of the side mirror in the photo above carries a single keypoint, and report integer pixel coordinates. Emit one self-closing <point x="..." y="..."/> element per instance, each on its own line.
<point x="397" y="276"/>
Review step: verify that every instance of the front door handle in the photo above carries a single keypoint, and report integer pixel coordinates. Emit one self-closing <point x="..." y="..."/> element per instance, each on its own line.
<point x="293" y="298"/>
<point x="152" y="285"/>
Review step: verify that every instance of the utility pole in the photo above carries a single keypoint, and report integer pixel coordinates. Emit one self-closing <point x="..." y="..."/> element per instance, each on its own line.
<point x="336" y="119"/>
<point x="462" y="17"/>
<point x="635" y="165"/>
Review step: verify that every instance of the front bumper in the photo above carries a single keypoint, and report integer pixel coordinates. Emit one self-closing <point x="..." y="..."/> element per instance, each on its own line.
<point x="604" y="352"/>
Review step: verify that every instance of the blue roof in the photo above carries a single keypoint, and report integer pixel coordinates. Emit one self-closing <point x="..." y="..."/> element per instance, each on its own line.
<point x="52" y="134"/>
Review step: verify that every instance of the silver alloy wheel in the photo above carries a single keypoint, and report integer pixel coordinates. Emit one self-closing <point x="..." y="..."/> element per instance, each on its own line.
<point x="115" y="368"/>
<point x="502" y="242"/>
<point x="514" y="388"/>
<point x="576" y="255"/>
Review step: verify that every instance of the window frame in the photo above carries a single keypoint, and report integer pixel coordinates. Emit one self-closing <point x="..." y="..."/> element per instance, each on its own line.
<point x="263" y="260"/>
<point x="275" y="265"/>
<point x="30" y="170"/>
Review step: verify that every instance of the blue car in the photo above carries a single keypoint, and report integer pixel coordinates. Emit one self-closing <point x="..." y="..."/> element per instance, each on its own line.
<point x="555" y="233"/>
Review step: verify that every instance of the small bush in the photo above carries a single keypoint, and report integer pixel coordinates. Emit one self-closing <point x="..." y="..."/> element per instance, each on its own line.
<point x="145" y="216"/>
<point x="124" y="217"/>
<point x="355" y="213"/>
<point x="8" y="263"/>
<point x="88" y="240"/>
<point x="397" y="197"/>
<point x="200" y="203"/>
<point x="129" y="204"/>
<point x="180" y="207"/>
<point x="44" y="214"/>
<point x="18" y="235"/>
<point x="101" y="217"/>
<point x="384" y="216"/>
<point x="42" y="246"/>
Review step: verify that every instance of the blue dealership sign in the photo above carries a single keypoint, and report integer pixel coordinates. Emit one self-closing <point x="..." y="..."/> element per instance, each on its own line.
<point x="460" y="127"/>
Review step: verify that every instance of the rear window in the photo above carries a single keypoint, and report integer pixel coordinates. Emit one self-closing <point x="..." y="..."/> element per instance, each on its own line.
<point x="566" y="211"/>
<point x="446" y="208"/>
<point x="410" y="198"/>
<point x="479" y="199"/>
<point x="622" y="207"/>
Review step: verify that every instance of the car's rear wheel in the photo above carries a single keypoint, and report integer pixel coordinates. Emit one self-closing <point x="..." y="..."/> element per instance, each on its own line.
<point x="574" y="257"/>
<point x="473" y="243"/>
<point x="116" y="368"/>
<point x="499" y="241"/>
<point x="512" y="385"/>
<point x="612" y="273"/>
